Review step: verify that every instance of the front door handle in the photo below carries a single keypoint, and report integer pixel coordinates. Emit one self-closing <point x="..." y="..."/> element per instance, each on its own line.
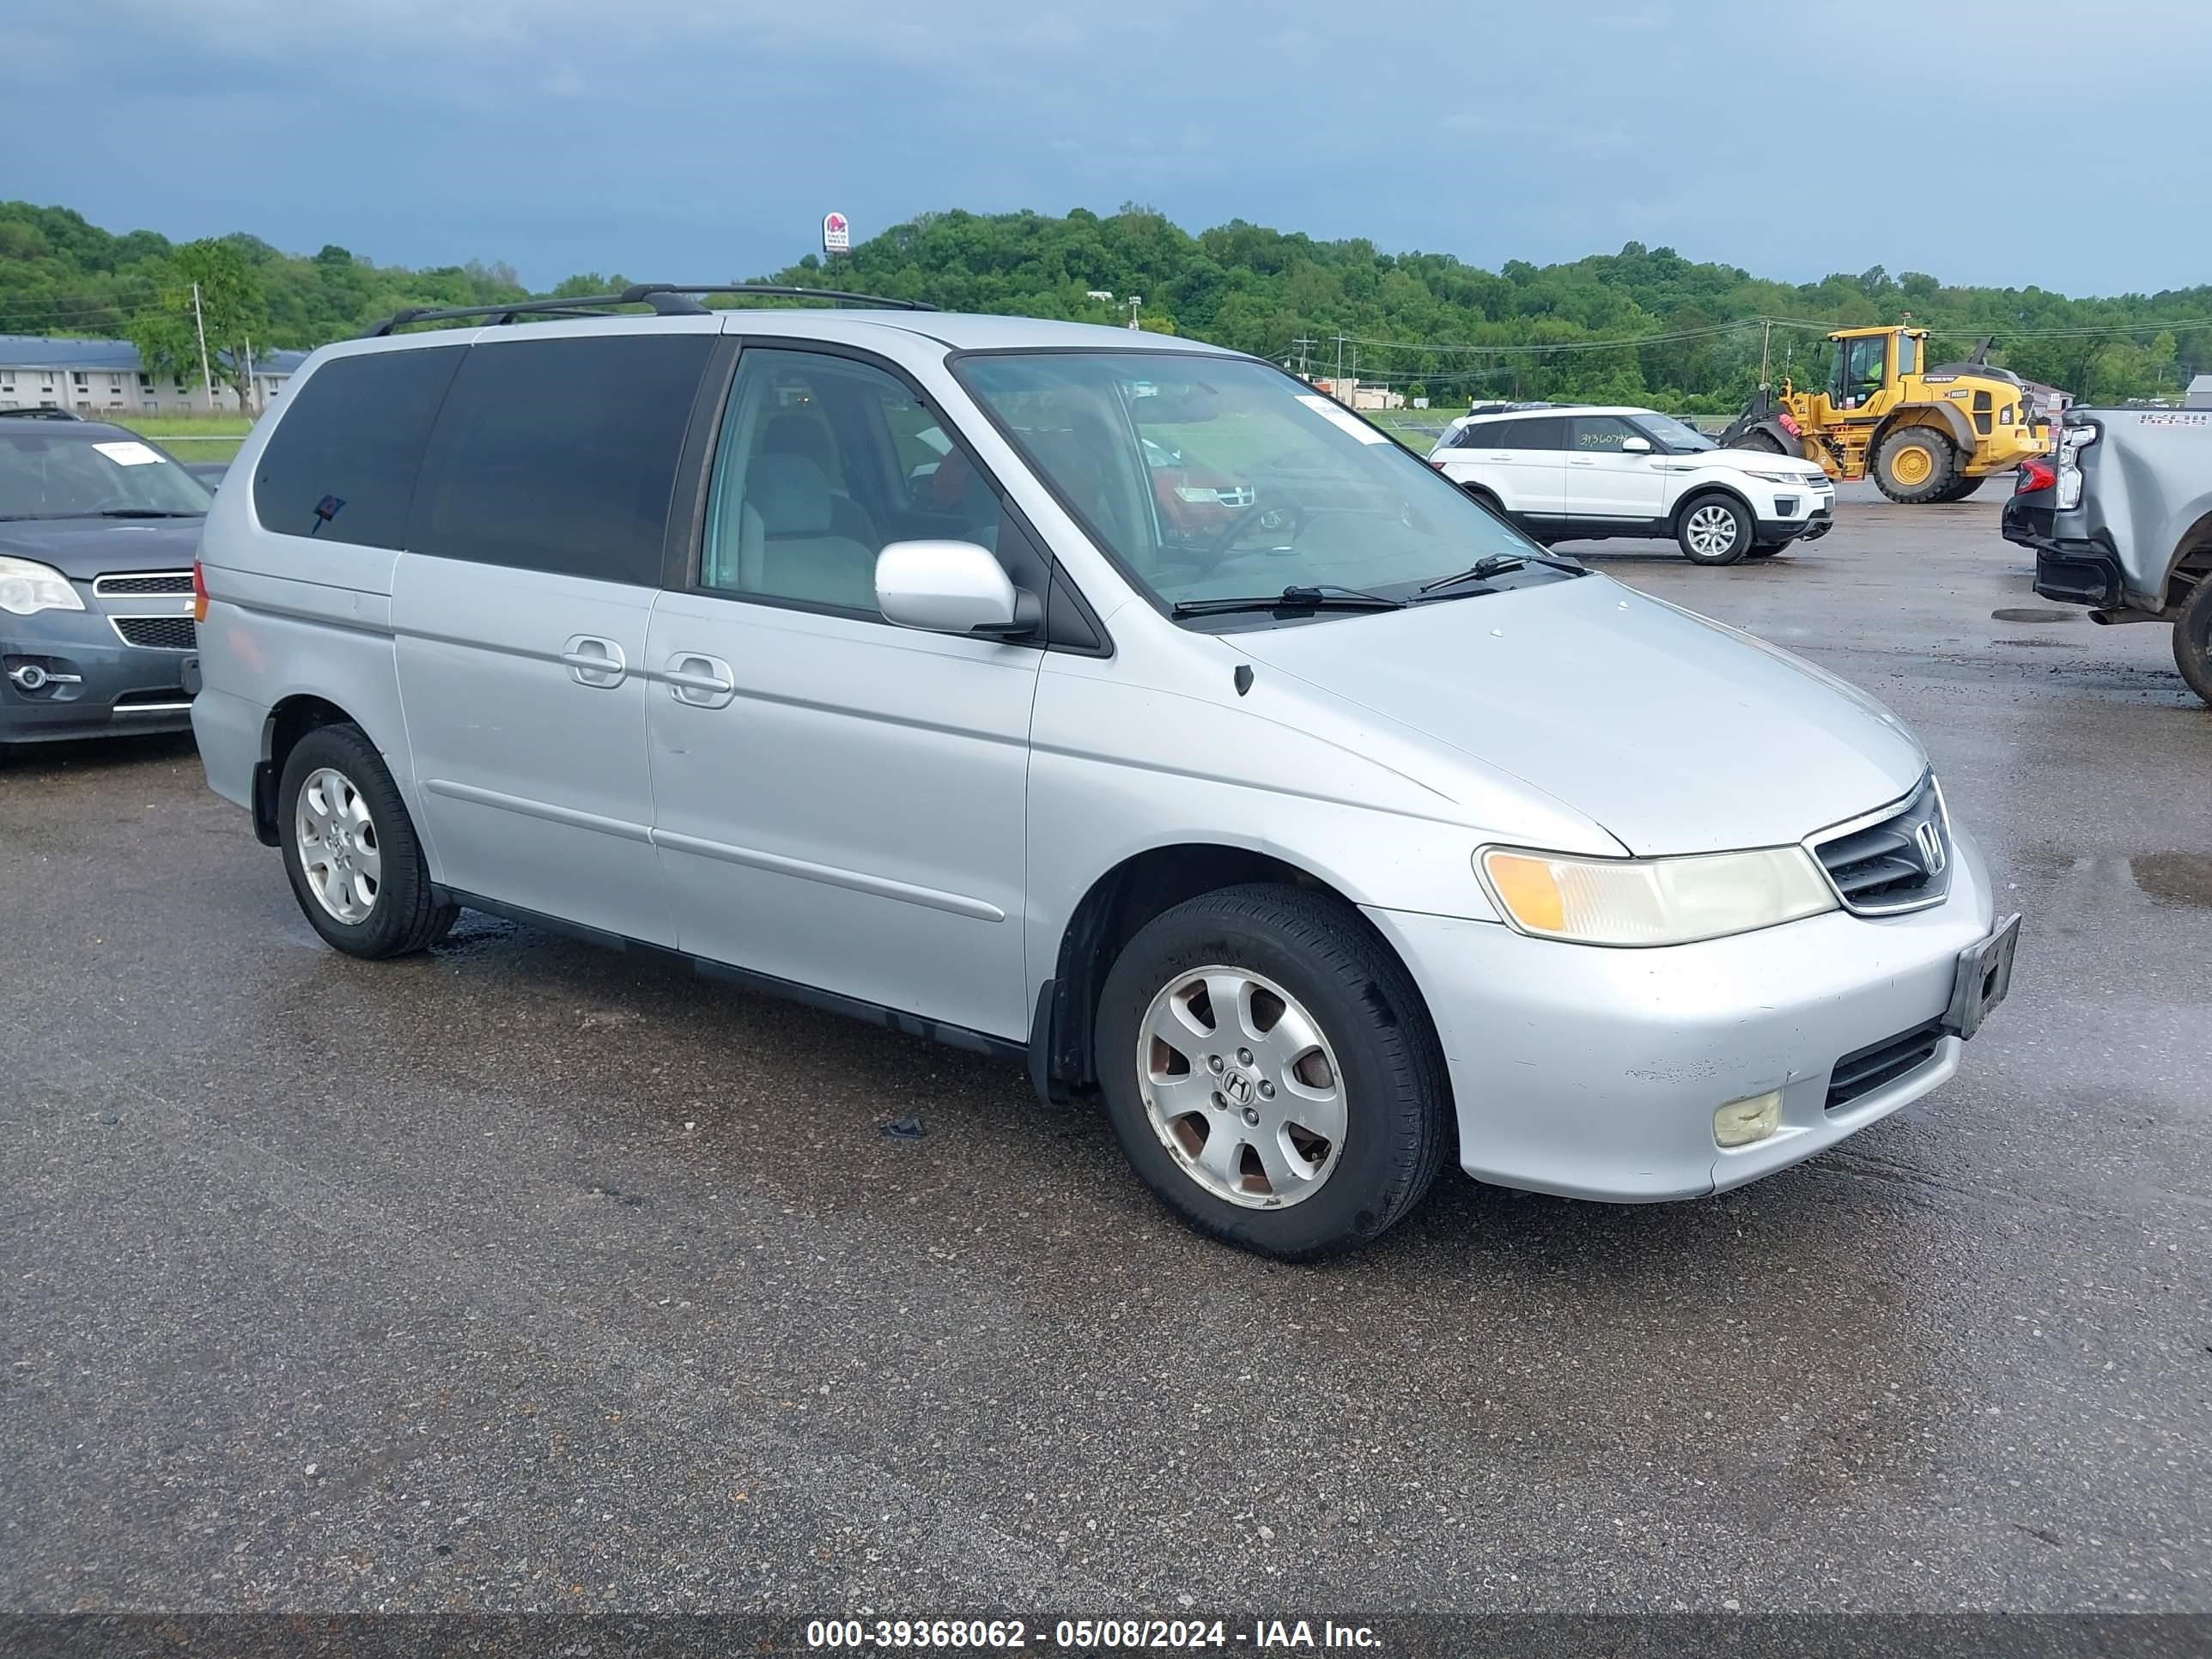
<point x="699" y="682"/>
<point x="594" y="662"/>
<point x="1582" y="463"/>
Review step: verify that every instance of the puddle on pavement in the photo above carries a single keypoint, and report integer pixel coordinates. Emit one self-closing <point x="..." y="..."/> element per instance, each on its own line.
<point x="2030" y="613"/>
<point x="2174" y="878"/>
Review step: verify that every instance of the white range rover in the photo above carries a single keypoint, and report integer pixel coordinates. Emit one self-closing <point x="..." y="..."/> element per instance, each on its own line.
<point x="1575" y="473"/>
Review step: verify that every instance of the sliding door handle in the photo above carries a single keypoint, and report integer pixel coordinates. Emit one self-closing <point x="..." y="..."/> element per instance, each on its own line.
<point x="699" y="682"/>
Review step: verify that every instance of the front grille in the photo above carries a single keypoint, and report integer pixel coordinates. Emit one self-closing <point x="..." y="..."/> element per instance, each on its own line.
<point x="1865" y="1070"/>
<point x="158" y="633"/>
<point x="1898" y="859"/>
<point x="152" y="581"/>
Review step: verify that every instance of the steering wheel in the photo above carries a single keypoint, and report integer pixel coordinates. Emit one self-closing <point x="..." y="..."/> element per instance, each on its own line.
<point x="1271" y="514"/>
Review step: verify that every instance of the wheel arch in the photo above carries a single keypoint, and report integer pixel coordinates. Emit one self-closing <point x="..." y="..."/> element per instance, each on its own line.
<point x="289" y="718"/>
<point x="1062" y="1046"/>
<point x="2191" y="564"/>
<point x="1698" y="492"/>
<point x="1941" y="414"/>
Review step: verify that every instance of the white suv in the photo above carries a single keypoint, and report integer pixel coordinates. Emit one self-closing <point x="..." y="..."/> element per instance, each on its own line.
<point x="1587" y="473"/>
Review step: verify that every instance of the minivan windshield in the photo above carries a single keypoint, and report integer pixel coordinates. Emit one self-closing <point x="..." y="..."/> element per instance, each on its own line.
<point x="44" y="474"/>
<point x="1212" y="479"/>
<point x="1676" y="437"/>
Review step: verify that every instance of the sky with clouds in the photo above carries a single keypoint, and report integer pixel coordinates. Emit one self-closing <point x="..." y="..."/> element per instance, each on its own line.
<point x="693" y="140"/>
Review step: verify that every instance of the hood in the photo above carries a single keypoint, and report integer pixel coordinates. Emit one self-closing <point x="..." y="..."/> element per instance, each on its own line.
<point x="85" y="547"/>
<point x="1760" y="460"/>
<point x="1674" y="733"/>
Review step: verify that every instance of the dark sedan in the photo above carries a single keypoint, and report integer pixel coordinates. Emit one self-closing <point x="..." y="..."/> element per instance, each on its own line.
<point x="97" y="531"/>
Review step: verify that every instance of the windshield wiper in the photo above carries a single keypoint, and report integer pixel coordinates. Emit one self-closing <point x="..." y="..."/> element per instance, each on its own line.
<point x="1497" y="565"/>
<point x="1293" y="597"/>
<point x="141" y="513"/>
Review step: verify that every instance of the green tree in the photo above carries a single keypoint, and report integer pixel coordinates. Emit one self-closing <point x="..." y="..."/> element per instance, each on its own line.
<point x="203" y="289"/>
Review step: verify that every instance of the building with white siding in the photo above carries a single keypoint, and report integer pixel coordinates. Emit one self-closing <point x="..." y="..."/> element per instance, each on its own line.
<point x="103" y="377"/>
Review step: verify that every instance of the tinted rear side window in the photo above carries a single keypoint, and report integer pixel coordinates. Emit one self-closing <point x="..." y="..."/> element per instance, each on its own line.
<point x="342" y="464"/>
<point x="1543" y="432"/>
<point x="560" y="455"/>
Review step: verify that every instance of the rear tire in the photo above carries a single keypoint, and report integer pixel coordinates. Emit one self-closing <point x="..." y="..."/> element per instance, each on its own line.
<point x="1961" y="488"/>
<point x="1714" y="530"/>
<point x="1288" y="958"/>
<point x="354" y="862"/>
<point x="2193" y="638"/>
<point x="1915" y="465"/>
<point x="1763" y="441"/>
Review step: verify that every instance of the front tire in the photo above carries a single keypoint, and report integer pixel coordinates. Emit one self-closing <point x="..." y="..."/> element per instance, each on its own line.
<point x="354" y="862"/>
<point x="1915" y="465"/>
<point x="1271" y="1072"/>
<point x="2193" y="638"/>
<point x="1714" y="530"/>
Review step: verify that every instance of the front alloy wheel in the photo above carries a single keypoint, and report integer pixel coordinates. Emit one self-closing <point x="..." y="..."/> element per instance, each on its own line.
<point x="1242" y="1087"/>
<point x="1270" y="1070"/>
<point x="338" y="844"/>
<point x="1714" y="530"/>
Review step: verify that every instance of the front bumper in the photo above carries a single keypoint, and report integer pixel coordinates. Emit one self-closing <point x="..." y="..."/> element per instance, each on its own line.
<point x="1792" y="514"/>
<point x="1595" y="1073"/>
<point x="117" y="688"/>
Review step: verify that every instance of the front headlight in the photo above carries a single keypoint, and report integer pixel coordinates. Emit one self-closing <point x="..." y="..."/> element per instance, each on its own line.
<point x="1647" y="902"/>
<point x="26" y="589"/>
<point x="1796" y="478"/>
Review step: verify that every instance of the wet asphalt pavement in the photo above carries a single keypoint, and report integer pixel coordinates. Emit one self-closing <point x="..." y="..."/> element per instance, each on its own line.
<point x="526" y="1275"/>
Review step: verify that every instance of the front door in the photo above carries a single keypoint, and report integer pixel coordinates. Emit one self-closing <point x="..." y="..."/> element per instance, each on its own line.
<point x="838" y="801"/>
<point x="1606" y="482"/>
<point x="519" y="613"/>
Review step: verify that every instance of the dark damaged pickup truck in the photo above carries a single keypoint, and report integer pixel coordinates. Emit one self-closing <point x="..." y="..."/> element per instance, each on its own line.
<point x="2120" y="518"/>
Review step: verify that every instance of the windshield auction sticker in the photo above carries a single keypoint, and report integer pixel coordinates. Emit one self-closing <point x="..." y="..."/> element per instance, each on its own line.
<point x="130" y="454"/>
<point x="1336" y="415"/>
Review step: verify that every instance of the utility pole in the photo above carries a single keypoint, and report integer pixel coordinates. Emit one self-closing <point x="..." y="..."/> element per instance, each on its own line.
<point x="1301" y="343"/>
<point x="249" y="372"/>
<point x="1338" y="386"/>
<point x="199" y="327"/>
<point x="1766" y="335"/>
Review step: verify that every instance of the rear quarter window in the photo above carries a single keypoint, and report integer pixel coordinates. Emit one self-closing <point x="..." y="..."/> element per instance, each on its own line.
<point x="560" y="455"/>
<point x="341" y="466"/>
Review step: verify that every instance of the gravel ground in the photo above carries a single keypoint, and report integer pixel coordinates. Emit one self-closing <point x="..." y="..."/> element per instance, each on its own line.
<point x="522" y="1275"/>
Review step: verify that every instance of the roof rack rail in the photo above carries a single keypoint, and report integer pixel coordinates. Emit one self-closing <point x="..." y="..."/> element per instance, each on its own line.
<point x="666" y="299"/>
<point x="644" y="292"/>
<point x="41" y="414"/>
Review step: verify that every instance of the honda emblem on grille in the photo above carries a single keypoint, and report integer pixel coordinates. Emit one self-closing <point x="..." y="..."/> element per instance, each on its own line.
<point x="1929" y="838"/>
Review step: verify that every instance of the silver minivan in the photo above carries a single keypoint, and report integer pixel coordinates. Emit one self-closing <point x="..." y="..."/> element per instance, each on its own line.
<point x="1276" y="794"/>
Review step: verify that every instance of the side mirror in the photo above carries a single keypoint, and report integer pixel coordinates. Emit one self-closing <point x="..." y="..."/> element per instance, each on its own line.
<point x="952" y="588"/>
<point x="1636" y="445"/>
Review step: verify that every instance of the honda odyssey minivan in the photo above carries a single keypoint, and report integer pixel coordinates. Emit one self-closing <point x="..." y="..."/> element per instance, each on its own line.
<point x="848" y="655"/>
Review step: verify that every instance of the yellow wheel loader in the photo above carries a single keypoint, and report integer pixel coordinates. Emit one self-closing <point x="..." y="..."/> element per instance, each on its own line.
<point x="1923" y="433"/>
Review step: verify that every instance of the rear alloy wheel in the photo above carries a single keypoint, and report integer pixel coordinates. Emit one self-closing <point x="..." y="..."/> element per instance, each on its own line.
<point x="350" y="851"/>
<point x="1915" y="465"/>
<point x="1271" y="1071"/>
<point x="2193" y="638"/>
<point x="1714" y="530"/>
